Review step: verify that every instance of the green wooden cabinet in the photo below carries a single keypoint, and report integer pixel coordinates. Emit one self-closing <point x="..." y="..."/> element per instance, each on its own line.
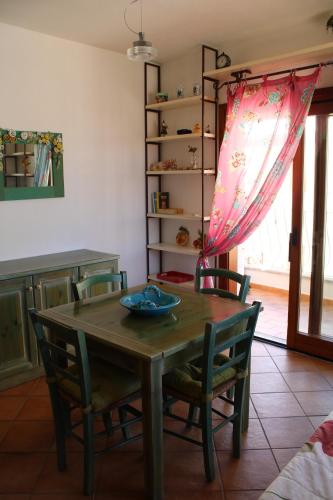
<point x="42" y="282"/>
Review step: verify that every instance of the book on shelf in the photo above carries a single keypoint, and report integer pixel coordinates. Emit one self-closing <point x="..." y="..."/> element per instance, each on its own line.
<point x="160" y="200"/>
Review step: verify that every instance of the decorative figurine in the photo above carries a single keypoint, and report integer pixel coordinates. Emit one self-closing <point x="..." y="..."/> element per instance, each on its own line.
<point x="207" y="129"/>
<point x="198" y="243"/>
<point x="164" y="128"/>
<point x="196" y="89"/>
<point x="180" y="92"/>
<point x="183" y="236"/>
<point x="194" y="162"/>
<point x="196" y="128"/>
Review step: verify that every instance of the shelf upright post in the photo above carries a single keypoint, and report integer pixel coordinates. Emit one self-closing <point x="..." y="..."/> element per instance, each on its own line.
<point x="158" y="145"/>
<point x="203" y="109"/>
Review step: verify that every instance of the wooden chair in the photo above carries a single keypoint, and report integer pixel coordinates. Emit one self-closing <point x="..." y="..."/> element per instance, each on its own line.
<point x="242" y="280"/>
<point x="97" y="279"/>
<point x="200" y="385"/>
<point x="95" y="388"/>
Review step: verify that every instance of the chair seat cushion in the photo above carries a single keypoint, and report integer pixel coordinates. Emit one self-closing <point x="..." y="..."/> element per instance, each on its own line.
<point x="187" y="379"/>
<point x="109" y="384"/>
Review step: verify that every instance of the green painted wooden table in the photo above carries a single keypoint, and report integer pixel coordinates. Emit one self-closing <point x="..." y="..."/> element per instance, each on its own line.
<point x="150" y="346"/>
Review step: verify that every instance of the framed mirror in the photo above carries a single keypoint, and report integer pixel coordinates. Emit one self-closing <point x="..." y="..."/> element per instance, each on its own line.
<point x="31" y="165"/>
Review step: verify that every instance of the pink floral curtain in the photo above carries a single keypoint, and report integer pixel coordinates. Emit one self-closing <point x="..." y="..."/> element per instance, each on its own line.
<point x="265" y="122"/>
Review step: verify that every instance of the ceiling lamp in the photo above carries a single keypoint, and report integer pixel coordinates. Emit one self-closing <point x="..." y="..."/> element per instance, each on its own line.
<point x="142" y="50"/>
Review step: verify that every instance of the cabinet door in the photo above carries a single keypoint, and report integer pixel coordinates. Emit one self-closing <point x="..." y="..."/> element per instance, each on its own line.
<point x="17" y="342"/>
<point x="54" y="288"/>
<point x="95" y="269"/>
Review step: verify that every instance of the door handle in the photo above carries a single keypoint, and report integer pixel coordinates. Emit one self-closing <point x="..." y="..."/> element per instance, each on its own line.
<point x="293" y="239"/>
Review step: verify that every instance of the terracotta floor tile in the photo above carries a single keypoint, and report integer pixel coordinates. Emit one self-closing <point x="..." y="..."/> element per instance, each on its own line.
<point x="41" y="388"/>
<point x="61" y="496"/>
<point x="258" y="349"/>
<point x="69" y="481"/>
<point x="317" y="421"/>
<point x="19" y="472"/>
<point x="195" y="495"/>
<point x="28" y="437"/>
<point x="253" y="439"/>
<point x="282" y="456"/>
<point x="288" y="432"/>
<point x="316" y="403"/>
<point x="10" y="406"/>
<point x="185" y="471"/>
<point x="121" y="471"/>
<point x="254" y="470"/>
<point x="263" y="364"/>
<point x="20" y="390"/>
<point x="119" y="495"/>
<point x="15" y="497"/>
<point x="36" y="408"/>
<point x="261" y="383"/>
<point x="276" y="351"/>
<point x="243" y="495"/>
<point x="306" y="381"/>
<point x="4" y="426"/>
<point x="294" y="363"/>
<point x="276" y="405"/>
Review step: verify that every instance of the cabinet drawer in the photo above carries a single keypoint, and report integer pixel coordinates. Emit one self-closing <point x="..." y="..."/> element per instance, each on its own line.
<point x="54" y="288"/>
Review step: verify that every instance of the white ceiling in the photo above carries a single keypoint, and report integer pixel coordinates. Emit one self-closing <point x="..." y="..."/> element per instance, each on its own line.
<point x="176" y="26"/>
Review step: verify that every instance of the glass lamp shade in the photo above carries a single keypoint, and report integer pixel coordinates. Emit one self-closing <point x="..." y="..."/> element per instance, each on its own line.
<point x="142" y="50"/>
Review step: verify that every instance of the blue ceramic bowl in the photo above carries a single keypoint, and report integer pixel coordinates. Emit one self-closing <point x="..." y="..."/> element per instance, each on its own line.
<point x="152" y="301"/>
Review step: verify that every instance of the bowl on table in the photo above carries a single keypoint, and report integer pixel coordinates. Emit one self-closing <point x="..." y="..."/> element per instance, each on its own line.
<point x="151" y="301"/>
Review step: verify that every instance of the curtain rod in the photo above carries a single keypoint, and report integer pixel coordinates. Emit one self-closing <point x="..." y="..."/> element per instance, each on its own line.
<point x="239" y="74"/>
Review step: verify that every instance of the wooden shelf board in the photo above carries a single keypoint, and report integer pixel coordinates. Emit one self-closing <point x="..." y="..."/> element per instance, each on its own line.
<point x="178" y="216"/>
<point x="310" y="55"/>
<point x="186" y="284"/>
<point x="180" y="172"/>
<point x="178" y="103"/>
<point x="179" y="137"/>
<point x="168" y="247"/>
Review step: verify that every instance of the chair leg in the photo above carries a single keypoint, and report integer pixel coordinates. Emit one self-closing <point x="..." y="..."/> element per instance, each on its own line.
<point x="107" y="419"/>
<point x="207" y="439"/>
<point x="192" y="415"/>
<point x="59" y="418"/>
<point x="237" y="423"/>
<point x="88" y="424"/>
<point x="231" y="392"/>
<point x="122" y="419"/>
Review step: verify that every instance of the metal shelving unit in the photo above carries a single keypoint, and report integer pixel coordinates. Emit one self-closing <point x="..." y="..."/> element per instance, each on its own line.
<point x="203" y="100"/>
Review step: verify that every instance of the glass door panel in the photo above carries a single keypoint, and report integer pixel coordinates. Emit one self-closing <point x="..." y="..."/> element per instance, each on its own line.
<point x="327" y="310"/>
<point x="309" y="164"/>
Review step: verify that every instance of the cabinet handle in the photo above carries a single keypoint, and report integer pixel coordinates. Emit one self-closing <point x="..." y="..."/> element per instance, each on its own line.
<point x="39" y="286"/>
<point x="29" y="288"/>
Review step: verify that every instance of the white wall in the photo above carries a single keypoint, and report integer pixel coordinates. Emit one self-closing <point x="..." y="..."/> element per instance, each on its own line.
<point x="95" y="98"/>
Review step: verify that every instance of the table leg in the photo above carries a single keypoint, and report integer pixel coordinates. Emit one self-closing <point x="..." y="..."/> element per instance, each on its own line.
<point x="153" y="430"/>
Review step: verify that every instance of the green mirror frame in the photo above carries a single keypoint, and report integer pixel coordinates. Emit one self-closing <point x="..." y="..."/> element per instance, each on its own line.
<point x="54" y="141"/>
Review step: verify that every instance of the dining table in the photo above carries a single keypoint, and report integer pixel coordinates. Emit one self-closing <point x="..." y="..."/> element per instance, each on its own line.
<point x="150" y="346"/>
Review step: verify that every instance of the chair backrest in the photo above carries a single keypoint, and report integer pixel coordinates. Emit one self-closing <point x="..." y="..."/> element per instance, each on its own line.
<point x="233" y="333"/>
<point x="56" y="358"/>
<point x="243" y="280"/>
<point x="79" y="288"/>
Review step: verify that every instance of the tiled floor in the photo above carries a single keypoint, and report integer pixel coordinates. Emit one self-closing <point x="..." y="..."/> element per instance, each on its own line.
<point x="290" y="393"/>
<point x="273" y="320"/>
